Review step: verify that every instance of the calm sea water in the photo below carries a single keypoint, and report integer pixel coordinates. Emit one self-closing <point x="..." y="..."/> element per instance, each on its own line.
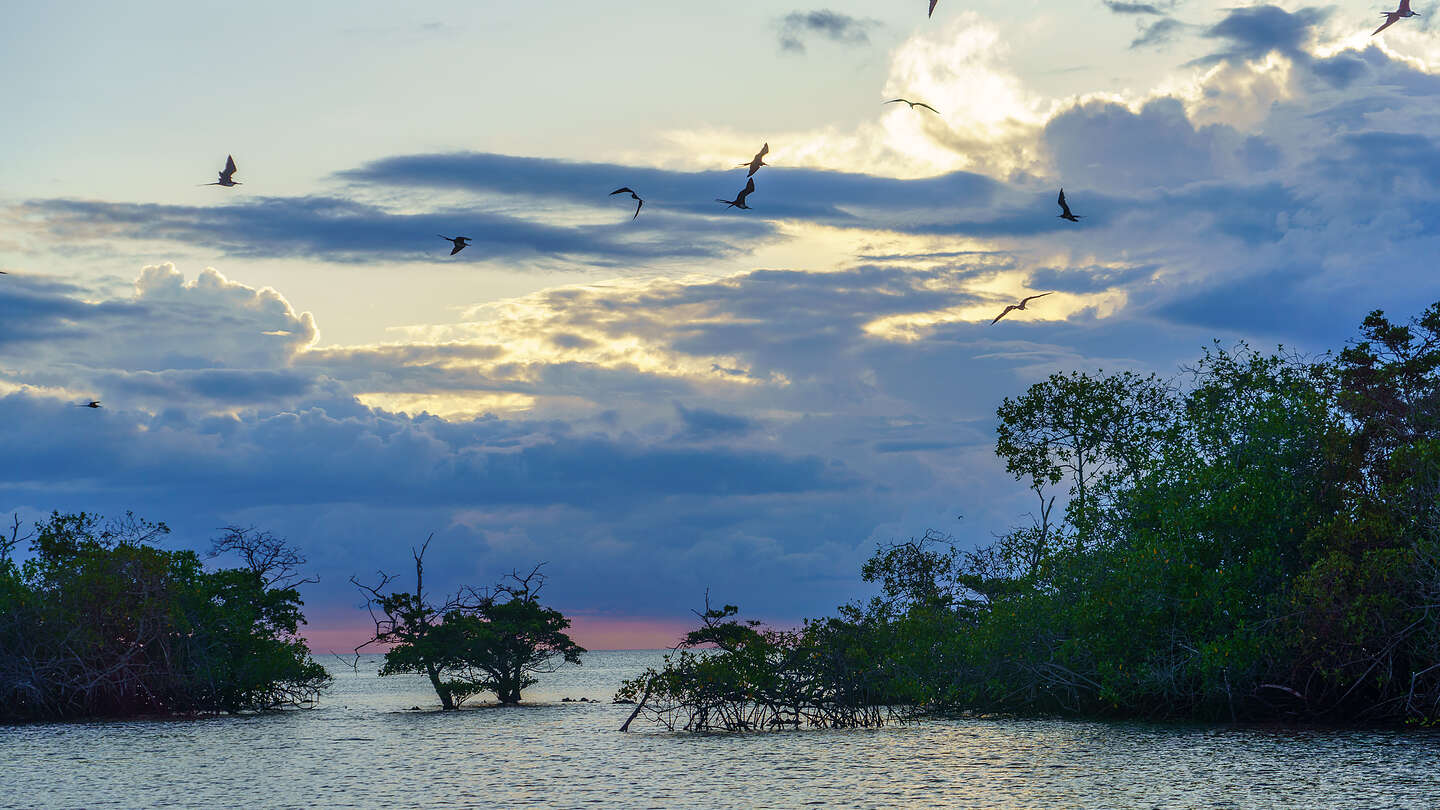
<point x="364" y="747"/>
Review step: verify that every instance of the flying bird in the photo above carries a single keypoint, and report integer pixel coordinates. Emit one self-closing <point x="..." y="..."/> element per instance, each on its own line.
<point x="1392" y="17"/>
<point x="94" y="403"/>
<point x="1065" y="210"/>
<point x="639" y="202"/>
<point x="932" y="8"/>
<point x="756" y="162"/>
<point x="227" y="177"/>
<point x="739" y="201"/>
<point x="914" y="104"/>
<point x="461" y="242"/>
<point x="1020" y="306"/>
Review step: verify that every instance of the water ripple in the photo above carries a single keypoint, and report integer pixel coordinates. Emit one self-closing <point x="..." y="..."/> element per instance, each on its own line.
<point x="365" y="748"/>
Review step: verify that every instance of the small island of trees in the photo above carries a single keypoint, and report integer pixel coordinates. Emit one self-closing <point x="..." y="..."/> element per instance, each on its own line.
<point x="493" y="640"/>
<point x="1258" y="539"/>
<point x="97" y="621"/>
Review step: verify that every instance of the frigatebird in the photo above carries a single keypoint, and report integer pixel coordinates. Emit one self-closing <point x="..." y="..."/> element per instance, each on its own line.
<point x="756" y="162"/>
<point x="227" y="177"/>
<point x="1392" y="17"/>
<point x="461" y="242"/>
<point x="739" y="201"/>
<point x="639" y="203"/>
<point x="1065" y="209"/>
<point x="94" y="403"/>
<point x="1020" y="306"/>
<point x="914" y="104"/>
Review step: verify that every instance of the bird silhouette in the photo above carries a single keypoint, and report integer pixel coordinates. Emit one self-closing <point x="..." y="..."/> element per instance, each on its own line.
<point x="1065" y="209"/>
<point x="739" y="201"/>
<point x="756" y="162"/>
<point x="227" y="177"/>
<point x="461" y="242"/>
<point x="932" y="8"/>
<point x="94" y="403"/>
<point x="1019" y="306"/>
<point x="914" y="104"/>
<point x="639" y="202"/>
<point x="1392" y="17"/>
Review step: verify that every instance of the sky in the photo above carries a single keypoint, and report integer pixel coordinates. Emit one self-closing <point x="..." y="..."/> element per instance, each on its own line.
<point x="700" y="398"/>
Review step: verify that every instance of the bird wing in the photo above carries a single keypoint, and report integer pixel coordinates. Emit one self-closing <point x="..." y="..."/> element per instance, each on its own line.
<point x="932" y="8"/>
<point x="1005" y="312"/>
<point x="1063" y="204"/>
<point x="893" y="100"/>
<point x="459" y="246"/>
<point x="1404" y="7"/>
<point x="926" y="106"/>
<point x="749" y="187"/>
<point x="1390" y="19"/>
<point x="1024" y="301"/>
<point x="638" y="206"/>
<point x="229" y="165"/>
<point x="623" y="190"/>
<point x="764" y="150"/>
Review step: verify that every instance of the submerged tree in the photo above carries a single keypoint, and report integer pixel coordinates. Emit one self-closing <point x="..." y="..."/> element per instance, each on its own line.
<point x="729" y="675"/>
<point x="496" y="640"/>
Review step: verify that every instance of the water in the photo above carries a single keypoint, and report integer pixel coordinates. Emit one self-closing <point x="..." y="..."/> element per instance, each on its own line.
<point x="364" y="748"/>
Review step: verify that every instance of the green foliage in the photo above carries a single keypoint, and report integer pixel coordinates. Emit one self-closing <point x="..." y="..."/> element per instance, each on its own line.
<point x="1260" y="540"/>
<point x="740" y="676"/>
<point x="99" y="622"/>
<point x="475" y="642"/>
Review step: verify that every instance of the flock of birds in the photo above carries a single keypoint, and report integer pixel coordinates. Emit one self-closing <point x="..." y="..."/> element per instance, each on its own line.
<point x="459" y="243"/>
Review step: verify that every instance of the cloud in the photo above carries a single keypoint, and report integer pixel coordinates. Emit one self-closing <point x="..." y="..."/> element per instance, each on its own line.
<point x="1254" y="31"/>
<point x="701" y="423"/>
<point x="1133" y="8"/>
<point x="830" y="25"/>
<point x="749" y="429"/>
<point x="1158" y="33"/>
<point x="345" y="231"/>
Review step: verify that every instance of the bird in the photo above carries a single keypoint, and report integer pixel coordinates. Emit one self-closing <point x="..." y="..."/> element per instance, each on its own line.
<point x="1392" y="17"/>
<point x="739" y="201"/>
<point x="94" y="403"/>
<point x="227" y="177"/>
<point x="932" y="8"/>
<point x="461" y="242"/>
<point x="1065" y="209"/>
<point x="639" y="202"/>
<point x="914" y="104"/>
<point x="756" y="162"/>
<point x="1020" y="306"/>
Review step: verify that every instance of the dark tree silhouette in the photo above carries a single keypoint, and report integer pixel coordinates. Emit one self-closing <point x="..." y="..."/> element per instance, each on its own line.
<point x="494" y="640"/>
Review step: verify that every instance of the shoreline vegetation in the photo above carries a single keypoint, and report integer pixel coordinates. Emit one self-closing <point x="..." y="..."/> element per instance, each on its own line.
<point x="98" y="622"/>
<point x="1256" y="540"/>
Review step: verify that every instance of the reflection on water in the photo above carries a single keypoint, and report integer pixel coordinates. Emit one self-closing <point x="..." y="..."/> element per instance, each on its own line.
<point x="364" y="748"/>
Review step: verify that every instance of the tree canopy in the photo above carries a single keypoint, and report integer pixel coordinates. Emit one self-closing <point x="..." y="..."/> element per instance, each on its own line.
<point x="495" y="640"/>
<point x="98" y="621"/>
